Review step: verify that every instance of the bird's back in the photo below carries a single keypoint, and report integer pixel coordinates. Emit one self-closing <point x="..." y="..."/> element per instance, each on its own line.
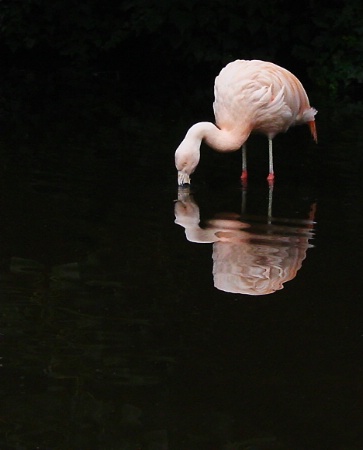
<point x="267" y="97"/>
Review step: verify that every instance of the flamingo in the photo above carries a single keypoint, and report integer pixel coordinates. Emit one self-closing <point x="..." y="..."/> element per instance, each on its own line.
<point x="252" y="255"/>
<point x="250" y="96"/>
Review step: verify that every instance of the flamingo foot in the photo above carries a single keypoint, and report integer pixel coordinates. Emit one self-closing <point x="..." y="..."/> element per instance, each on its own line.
<point x="244" y="175"/>
<point x="271" y="179"/>
<point x="244" y="179"/>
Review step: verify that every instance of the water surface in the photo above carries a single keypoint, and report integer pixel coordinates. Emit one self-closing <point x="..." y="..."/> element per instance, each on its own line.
<point x="120" y="325"/>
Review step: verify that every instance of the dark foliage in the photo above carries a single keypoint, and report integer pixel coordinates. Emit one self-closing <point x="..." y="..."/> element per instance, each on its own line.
<point x="320" y="39"/>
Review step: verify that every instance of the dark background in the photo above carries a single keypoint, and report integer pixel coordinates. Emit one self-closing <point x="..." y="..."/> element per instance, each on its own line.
<point x="112" y="335"/>
<point x="154" y="43"/>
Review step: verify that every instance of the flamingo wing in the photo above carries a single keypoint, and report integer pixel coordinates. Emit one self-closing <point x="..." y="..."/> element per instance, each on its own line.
<point x="267" y="97"/>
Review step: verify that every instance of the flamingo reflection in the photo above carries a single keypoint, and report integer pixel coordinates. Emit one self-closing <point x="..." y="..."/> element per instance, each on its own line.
<point x="250" y="256"/>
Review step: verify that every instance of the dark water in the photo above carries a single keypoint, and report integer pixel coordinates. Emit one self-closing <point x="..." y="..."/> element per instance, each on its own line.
<point x="237" y="327"/>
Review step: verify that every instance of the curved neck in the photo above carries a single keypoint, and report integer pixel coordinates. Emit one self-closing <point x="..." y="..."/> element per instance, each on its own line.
<point x="219" y="139"/>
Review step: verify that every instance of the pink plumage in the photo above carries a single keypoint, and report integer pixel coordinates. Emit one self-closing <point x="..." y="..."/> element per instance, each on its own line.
<point x="250" y="96"/>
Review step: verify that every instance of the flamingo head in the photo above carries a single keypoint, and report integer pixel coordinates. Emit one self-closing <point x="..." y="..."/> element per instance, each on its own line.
<point x="187" y="157"/>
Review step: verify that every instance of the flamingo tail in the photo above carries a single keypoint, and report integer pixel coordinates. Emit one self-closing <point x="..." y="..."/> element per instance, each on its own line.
<point x="312" y="127"/>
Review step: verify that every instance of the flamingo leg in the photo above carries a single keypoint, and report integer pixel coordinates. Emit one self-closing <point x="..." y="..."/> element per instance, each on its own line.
<point x="270" y="198"/>
<point x="271" y="174"/>
<point x="244" y="162"/>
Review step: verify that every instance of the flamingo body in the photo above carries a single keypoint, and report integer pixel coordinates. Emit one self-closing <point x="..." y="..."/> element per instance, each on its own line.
<point x="250" y="96"/>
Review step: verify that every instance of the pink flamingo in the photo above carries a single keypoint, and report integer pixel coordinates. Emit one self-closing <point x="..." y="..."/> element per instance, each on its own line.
<point x="250" y="96"/>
